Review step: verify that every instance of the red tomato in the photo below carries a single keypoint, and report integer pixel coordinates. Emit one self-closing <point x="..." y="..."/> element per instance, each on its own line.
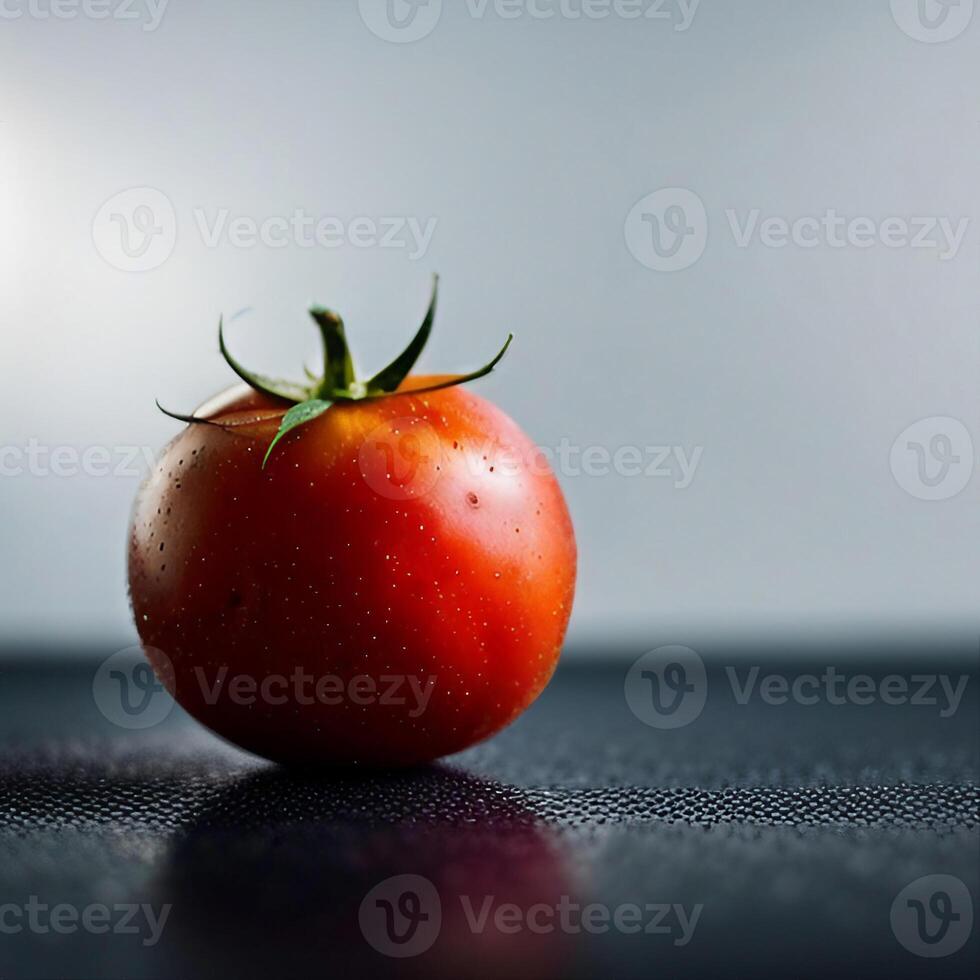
<point x="392" y="587"/>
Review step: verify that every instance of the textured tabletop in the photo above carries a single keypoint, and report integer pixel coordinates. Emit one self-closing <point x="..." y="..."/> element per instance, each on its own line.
<point x="758" y="839"/>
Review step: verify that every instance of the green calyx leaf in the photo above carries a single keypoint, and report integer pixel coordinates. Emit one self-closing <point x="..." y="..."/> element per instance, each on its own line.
<point x="395" y="373"/>
<point x="270" y="386"/>
<point x="298" y="415"/>
<point x="189" y="419"/>
<point x="339" y="382"/>
<point x="459" y="379"/>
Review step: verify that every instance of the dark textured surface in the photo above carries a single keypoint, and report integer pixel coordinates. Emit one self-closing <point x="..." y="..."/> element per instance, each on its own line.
<point x="795" y="827"/>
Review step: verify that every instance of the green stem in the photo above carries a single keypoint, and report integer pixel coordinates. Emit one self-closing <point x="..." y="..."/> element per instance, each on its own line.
<point x="338" y="366"/>
<point x="339" y="382"/>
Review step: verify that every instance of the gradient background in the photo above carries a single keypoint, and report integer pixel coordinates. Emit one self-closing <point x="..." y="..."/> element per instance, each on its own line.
<point x="529" y="141"/>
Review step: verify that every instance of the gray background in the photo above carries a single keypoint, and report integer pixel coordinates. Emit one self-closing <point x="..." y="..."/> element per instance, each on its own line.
<point x="529" y="141"/>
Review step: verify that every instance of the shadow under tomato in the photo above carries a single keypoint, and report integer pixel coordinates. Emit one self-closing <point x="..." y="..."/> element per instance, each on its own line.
<point x="271" y="878"/>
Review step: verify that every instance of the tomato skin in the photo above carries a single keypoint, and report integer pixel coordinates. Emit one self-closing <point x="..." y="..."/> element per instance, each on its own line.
<point x="419" y="537"/>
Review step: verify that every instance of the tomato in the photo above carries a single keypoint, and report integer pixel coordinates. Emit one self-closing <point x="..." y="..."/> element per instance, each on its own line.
<point x="394" y="584"/>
